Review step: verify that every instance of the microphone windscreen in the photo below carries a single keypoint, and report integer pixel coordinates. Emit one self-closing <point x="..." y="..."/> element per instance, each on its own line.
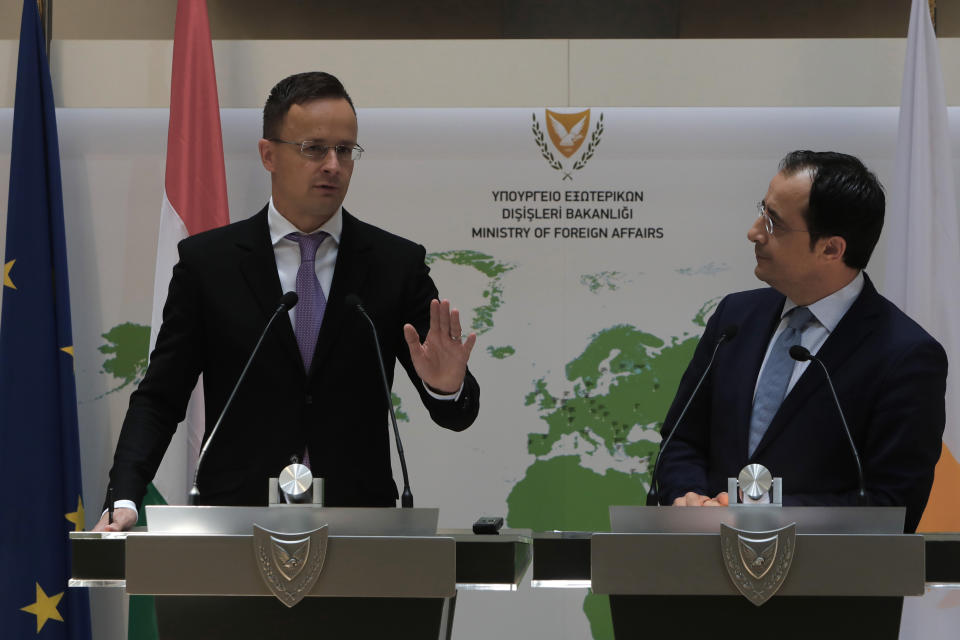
<point x="353" y="300"/>
<point x="799" y="353"/>
<point x="730" y="332"/>
<point x="289" y="300"/>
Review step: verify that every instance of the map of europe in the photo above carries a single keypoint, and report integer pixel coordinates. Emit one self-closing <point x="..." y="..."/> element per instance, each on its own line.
<point x="599" y="431"/>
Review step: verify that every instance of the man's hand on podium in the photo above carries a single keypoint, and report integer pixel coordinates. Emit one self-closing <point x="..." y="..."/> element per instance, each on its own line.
<point x="123" y="519"/>
<point x="692" y="499"/>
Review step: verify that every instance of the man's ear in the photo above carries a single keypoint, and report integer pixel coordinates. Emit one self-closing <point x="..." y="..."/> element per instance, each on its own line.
<point x="266" y="154"/>
<point x="833" y="247"/>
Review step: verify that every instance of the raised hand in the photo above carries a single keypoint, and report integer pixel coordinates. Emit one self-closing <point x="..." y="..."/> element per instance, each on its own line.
<point x="441" y="361"/>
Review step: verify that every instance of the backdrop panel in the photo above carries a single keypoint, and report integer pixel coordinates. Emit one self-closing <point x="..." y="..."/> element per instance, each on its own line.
<point x="587" y="247"/>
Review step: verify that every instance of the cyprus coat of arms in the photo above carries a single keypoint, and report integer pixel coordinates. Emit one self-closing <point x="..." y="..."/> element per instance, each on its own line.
<point x="758" y="562"/>
<point x="567" y="132"/>
<point x="290" y="563"/>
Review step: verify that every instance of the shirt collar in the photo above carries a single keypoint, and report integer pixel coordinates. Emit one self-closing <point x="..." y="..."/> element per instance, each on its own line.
<point x="830" y="310"/>
<point x="280" y="226"/>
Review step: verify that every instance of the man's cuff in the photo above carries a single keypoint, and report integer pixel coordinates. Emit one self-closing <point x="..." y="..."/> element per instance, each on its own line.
<point x="442" y="396"/>
<point x="124" y="504"/>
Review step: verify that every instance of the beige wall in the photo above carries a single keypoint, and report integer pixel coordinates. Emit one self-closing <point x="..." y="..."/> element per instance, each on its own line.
<point x="117" y="52"/>
<point x="503" y="73"/>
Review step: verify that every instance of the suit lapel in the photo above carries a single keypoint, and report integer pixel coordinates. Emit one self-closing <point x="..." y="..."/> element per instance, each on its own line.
<point x="349" y="276"/>
<point x="854" y="328"/>
<point x="259" y="268"/>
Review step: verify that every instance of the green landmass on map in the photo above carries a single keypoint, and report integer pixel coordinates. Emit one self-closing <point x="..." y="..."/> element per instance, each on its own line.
<point x="501" y="352"/>
<point x="602" y="281"/>
<point x="398" y="408"/>
<point x="128" y="346"/>
<point x="483" y="314"/>
<point x="616" y="394"/>
<point x="492" y="292"/>
<point x="708" y="269"/>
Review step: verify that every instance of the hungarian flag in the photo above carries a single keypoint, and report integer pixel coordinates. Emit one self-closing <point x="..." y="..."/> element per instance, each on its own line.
<point x="194" y="200"/>
<point x="41" y="501"/>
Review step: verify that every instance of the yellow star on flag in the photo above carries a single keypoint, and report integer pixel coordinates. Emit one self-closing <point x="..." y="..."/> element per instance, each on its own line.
<point x="76" y="517"/>
<point x="7" y="282"/>
<point x="67" y="350"/>
<point x="44" y="608"/>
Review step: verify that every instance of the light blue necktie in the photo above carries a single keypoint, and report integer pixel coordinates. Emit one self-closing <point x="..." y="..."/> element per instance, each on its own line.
<point x="772" y="387"/>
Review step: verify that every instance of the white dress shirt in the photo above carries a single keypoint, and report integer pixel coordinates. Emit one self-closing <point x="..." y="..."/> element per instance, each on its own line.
<point x="287" y="252"/>
<point x="827" y="313"/>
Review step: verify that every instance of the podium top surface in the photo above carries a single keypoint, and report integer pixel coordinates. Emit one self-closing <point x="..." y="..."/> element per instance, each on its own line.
<point x="815" y="520"/>
<point x="342" y="521"/>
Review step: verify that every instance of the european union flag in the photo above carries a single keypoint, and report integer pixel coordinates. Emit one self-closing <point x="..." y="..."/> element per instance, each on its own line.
<point x="39" y="450"/>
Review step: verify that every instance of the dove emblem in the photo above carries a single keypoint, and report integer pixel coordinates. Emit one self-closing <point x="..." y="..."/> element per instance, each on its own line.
<point x="290" y="556"/>
<point x="568" y="130"/>
<point x="758" y="555"/>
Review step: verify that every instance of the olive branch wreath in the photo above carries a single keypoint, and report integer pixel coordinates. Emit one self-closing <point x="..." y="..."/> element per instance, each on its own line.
<point x="581" y="162"/>
<point x="544" y="149"/>
<point x="592" y="146"/>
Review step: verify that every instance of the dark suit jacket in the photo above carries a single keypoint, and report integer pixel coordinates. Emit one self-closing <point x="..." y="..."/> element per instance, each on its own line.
<point x="890" y="377"/>
<point x="223" y="291"/>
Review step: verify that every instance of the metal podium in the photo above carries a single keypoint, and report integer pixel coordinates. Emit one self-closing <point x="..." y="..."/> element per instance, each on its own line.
<point x="384" y="572"/>
<point x="665" y="571"/>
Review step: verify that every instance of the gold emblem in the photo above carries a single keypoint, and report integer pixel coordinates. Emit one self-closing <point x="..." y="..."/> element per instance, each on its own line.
<point x="567" y="132"/>
<point x="758" y="562"/>
<point x="290" y="563"/>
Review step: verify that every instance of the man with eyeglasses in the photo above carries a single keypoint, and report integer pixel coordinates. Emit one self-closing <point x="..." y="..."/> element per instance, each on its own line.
<point x="314" y="389"/>
<point x="818" y="224"/>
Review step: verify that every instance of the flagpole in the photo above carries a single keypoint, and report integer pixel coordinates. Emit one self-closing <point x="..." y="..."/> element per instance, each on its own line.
<point x="933" y="14"/>
<point x="45" y="7"/>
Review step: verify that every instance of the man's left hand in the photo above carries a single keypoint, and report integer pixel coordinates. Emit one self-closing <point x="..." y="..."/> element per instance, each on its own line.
<point x="693" y="499"/>
<point x="441" y="361"/>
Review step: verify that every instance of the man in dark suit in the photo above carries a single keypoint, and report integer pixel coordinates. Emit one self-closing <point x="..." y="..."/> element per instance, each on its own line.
<point x="314" y="389"/>
<point x="819" y="222"/>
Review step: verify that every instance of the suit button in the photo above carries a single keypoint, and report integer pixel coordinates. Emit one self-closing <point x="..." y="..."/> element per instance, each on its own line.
<point x="308" y="399"/>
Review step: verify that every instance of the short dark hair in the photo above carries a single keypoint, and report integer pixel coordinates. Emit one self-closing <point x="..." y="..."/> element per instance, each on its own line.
<point x="298" y="89"/>
<point x="846" y="200"/>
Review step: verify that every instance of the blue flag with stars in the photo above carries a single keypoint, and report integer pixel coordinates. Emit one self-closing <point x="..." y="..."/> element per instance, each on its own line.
<point x="39" y="445"/>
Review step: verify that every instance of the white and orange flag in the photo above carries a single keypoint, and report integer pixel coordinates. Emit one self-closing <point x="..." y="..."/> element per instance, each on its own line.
<point x="923" y="269"/>
<point x="194" y="200"/>
<point x="923" y="243"/>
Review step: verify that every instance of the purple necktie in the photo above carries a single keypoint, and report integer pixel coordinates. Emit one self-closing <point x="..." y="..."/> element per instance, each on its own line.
<point x="308" y="314"/>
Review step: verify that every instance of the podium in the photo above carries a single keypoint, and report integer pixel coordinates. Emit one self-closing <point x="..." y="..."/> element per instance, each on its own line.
<point x="385" y="572"/>
<point x="664" y="571"/>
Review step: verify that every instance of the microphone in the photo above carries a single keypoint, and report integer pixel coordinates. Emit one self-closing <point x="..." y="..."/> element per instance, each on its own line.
<point x="406" y="499"/>
<point x="802" y="354"/>
<point x="287" y="302"/>
<point x="729" y="333"/>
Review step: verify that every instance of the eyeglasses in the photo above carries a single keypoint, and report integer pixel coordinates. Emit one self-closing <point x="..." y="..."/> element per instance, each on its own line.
<point x="318" y="151"/>
<point x="773" y="227"/>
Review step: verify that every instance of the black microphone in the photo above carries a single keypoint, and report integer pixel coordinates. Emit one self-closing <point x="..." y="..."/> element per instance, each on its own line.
<point x="802" y="354"/>
<point x="406" y="499"/>
<point x="287" y="302"/>
<point x="729" y="333"/>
